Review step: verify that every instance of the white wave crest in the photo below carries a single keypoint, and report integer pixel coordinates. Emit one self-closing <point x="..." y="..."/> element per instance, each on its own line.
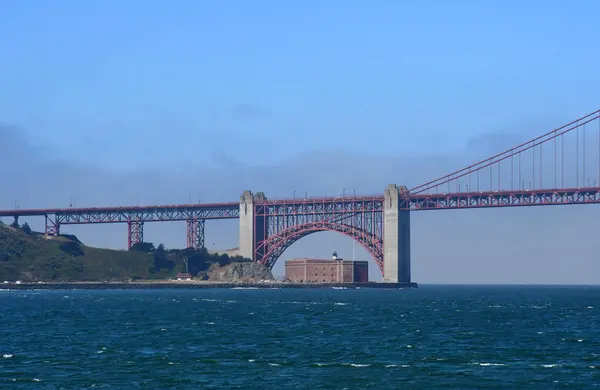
<point x="487" y="364"/>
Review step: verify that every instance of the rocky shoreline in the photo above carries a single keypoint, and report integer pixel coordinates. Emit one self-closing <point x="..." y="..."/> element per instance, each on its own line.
<point x="194" y="285"/>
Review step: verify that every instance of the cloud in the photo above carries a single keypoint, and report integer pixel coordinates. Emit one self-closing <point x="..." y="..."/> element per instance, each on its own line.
<point x="519" y="245"/>
<point x="16" y="147"/>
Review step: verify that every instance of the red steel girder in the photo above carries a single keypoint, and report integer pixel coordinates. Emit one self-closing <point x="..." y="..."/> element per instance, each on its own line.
<point x="319" y="206"/>
<point x="503" y="199"/>
<point x="148" y="214"/>
<point x="300" y="212"/>
<point x="52" y="227"/>
<point x="227" y="210"/>
<point x="195" y="233"/>
<point x="135" y="230"/>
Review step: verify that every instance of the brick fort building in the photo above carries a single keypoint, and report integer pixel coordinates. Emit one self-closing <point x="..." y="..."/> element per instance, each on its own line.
<point x="336" y="270"/>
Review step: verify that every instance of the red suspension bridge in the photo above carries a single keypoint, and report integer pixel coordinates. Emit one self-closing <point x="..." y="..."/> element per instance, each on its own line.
<point x="560" y="167"/>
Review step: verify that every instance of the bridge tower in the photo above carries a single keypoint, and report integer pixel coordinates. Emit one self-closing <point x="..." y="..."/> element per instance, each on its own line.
<point x="396" y="236"/>
<point x="252" y="229"/>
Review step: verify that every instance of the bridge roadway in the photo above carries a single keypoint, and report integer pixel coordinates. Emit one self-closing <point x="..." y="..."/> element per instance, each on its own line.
<point x="180" y="212"/>
<point x="336" y="205"/>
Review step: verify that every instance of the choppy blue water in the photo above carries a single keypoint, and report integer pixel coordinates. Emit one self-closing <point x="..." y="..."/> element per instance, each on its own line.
<point x="431" y="338"/>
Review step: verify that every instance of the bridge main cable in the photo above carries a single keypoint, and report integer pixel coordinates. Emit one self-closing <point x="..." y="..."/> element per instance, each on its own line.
<point x="573" y="125"/>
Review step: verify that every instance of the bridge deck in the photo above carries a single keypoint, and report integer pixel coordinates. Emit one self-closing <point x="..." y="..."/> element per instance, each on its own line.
<point x="340" y="205"/>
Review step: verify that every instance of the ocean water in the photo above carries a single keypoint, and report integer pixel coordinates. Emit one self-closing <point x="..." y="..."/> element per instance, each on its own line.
<point x="434" y="337"/>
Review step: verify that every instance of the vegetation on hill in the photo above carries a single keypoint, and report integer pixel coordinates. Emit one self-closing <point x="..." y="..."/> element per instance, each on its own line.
<point x="29" y="256"/>
<point x="165" y="261"/>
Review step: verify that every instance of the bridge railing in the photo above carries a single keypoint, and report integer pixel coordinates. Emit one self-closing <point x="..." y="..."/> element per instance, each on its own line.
<point x="114" y="209"/>
<point x="321" y="199"/>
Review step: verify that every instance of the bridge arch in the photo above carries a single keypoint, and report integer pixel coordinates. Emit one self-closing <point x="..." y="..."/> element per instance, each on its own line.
<point x="278" y="243"/>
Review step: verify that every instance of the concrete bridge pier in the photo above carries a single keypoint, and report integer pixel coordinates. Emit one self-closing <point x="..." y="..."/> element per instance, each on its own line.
<point x="252" y="228"/>
<point x="396" y="237"/>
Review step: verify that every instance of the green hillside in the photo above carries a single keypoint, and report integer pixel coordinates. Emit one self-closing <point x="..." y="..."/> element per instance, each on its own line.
<point x="28" y="256"/>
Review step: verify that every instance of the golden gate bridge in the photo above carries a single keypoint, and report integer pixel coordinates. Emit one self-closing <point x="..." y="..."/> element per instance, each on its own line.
<point x="560" y="167"/>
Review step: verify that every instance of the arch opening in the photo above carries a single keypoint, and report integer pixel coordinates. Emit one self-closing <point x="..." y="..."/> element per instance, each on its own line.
<point x="277" y="244"/>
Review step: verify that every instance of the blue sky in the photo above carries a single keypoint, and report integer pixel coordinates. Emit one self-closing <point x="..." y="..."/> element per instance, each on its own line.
<point x="139" y="83"/>
<point x="118" y="102"/>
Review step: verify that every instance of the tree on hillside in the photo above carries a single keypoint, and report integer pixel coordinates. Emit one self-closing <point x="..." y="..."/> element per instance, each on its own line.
<point x="223" y="260"/>
<point x="162" y="260"/>
<point x="146" y="247"/>
<point x="198" y="259"/>
<point x="239" y="259"/>
<point x="26" y="228"/>
<point x="72" y="248"/>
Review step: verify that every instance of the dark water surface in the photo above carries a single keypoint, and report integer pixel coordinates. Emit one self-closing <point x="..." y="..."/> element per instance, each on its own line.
<point x="434" y="337"/>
